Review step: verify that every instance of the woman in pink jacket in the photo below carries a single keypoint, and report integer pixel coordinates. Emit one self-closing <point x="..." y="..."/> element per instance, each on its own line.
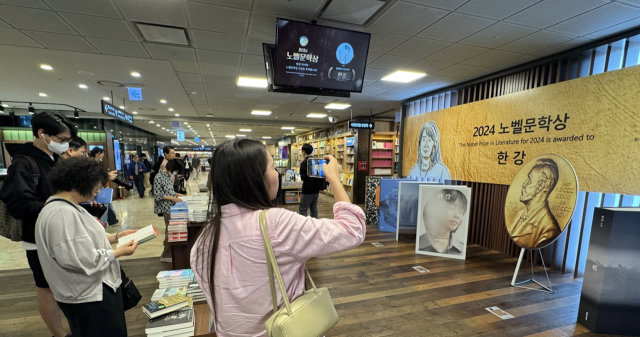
<point x="230" y="250"/>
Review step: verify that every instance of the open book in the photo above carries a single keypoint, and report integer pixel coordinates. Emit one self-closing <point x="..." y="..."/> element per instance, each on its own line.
<point x="142" y="235"/>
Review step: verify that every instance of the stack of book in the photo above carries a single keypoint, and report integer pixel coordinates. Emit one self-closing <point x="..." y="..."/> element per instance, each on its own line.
<point x="198" y="206"/>
<point x="166" y="305"/>
<point x="176" y="324"/>
<point x="175" y="278"/>
<point x="195" y="292"/>
<point x="165" y="292"/>
<point x="177" y="230"/>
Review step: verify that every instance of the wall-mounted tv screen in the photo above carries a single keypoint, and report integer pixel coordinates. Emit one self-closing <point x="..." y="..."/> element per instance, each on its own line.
<point x="315" y="56"/>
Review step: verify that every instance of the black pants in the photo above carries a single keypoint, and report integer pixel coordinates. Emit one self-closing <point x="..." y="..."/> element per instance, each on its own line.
<point x="97" y="319"/>
<point x="139" y="181"/>
<point x="309" y="201"/>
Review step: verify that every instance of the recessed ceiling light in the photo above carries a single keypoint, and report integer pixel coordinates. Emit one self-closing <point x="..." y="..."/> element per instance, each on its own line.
<point x="82" y="86"/>
<point x="158" y="125"/>
<point x="261" y="112"/>
<point x="186" y="123"/>
<point x="177" y="115"/>
<point x="42" y="94"/>
<point x="241" y="135"/>
<point x="337" y="106"/>
<point x="122" y="107"/>
<point x="266" y="137"/>
<point x="135" y="112"/>
<point x="403" y="76"/>
<point x="163" y="101"/>
<point x="316" y="115"/>
<point x="135" y="74"/>
<point x="288" y="127"/>
<point x="164" y="128"/>
<point x="230" y="136"/>
<point x="105" y="98"/>
<point x="245" y="130"/>
<point x="151" y="122"/>
<point x="5" y="105"/>
<point x="170" y="109"/>
<point x="46" y="67"/>
<point x="252" y="82"/>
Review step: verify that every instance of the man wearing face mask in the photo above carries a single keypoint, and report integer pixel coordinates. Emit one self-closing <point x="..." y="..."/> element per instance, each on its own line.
<point x="25" y="198"/>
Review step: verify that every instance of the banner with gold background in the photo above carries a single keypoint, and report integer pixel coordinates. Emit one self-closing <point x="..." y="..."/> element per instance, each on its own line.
<point x="593" y="122"/>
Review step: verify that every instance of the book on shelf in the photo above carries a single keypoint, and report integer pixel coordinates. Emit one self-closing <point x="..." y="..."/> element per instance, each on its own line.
<point x="166" y="305"/>
<point x="172" y="323"/>
<point x="160" y="293"/>
<point x="141" y="236"/>
<point x="381" y="171"/>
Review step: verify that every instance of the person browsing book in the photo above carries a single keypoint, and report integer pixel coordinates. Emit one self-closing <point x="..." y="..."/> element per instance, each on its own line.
<point x="76" y="255"/>
<point x="164" y="197"/>
<point x="228" y="259"/>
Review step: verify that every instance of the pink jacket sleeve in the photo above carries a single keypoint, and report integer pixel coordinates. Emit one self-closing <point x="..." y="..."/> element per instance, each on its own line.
<point x="304" y="237"/>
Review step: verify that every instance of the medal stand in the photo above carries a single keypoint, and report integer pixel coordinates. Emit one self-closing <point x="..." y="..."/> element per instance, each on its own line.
<point x="543" y="288"/>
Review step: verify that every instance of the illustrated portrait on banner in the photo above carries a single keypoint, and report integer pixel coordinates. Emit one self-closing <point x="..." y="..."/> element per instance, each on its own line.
<point x="540" y="201"/>
<point x="429" y="163"/>
<point x="443" y="221"/>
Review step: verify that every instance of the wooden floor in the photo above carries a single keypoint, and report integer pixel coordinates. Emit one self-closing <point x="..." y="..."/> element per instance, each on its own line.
<point x="376" y="293"/>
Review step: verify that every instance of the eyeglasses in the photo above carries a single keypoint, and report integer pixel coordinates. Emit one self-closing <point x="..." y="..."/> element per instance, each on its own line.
<point x="98" y="188"/>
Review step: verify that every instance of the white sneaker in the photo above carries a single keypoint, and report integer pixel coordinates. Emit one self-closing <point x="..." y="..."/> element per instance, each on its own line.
<point x="166" y="259"/>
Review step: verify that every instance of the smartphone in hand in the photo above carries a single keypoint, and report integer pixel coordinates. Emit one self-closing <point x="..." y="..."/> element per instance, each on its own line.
<point x="315" y="169"/>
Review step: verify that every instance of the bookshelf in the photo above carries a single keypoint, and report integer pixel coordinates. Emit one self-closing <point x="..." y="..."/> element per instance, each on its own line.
<point x="383" y="156"/>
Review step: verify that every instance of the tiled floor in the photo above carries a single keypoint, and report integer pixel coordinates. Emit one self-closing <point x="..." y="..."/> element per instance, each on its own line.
<point x="133" y="213"/>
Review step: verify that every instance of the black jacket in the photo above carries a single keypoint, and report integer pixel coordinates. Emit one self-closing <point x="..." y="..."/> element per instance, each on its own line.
<point x="23" y="198"/>
<point x="310" y="185"/>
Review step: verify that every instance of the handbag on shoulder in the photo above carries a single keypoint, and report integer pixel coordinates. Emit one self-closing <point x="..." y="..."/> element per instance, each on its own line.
<point x="130" y="294"/>
<point x="310" y="315"/>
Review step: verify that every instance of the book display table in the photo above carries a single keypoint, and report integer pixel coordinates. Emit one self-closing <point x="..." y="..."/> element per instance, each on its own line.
<point x="202" y="320"/>
<point x="181" y="251"/>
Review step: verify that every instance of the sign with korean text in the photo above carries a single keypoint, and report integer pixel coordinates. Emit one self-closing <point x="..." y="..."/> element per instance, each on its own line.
<point x="362" y="125"/>
<point x="180" y="135"/>
<point x="115" y="112"/>
<point x="593" y="122"/>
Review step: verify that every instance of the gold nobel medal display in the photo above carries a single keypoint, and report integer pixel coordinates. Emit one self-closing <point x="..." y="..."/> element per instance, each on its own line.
<point x="541" y="201"/>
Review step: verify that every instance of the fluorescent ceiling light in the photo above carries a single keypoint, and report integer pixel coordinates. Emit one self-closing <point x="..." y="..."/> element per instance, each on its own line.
<point x="82" y="86"/>
<point x="207" y="125"/>
<point x="135" y="112"/>
<point x="403" y="76"/>
<point x="261" y="112"/>
<point x="151" y="122"/>
<point x="288" y="127"/>
<point x="266" y="137"/>
<point x="135" y="74"/>
<point x="46" y="67"/>
<point x="316" y="115"/>
<point x="163" y="101"/>
<point x="337" y="106"/>
<point x="245" y="130"/>
<point x="240" y="135"/>
<point x="252" y="82"/>
<point x="170" y="109"/>
<point x="105" y="98"/>
<point x="177" y="115"/>
<point x="230" y="136"/>
<point x="163" y="128"/>
<point x="42" y="94"/>
<point x="158" y="125"/>
<point x="5" y="105"/>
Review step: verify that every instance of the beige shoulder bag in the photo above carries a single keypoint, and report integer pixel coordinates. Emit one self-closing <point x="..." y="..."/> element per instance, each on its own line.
<point x="310" y="315"/>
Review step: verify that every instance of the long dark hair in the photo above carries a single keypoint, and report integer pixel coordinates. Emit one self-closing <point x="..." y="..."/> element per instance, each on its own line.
<point x="237" y="177"/>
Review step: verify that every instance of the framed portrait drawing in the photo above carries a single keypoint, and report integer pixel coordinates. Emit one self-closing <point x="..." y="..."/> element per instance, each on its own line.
<point x="408" y="195"/>
<point x="443" y="221"/>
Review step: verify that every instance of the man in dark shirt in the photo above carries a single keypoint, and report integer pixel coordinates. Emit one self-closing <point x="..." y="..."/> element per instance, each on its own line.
<point x="147" y="171"/>
<point x="25" y="198"/>
<point x="136" y="170"/>
<point x="311" y="187"/>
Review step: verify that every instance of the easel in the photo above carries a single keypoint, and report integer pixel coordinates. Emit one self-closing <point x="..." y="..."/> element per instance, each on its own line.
<point x="545" y="289"/>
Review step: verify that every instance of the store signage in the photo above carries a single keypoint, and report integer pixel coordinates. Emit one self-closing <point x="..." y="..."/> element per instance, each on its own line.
<point x="135" y="94"/>
<point x="363" y="166"/>
<point x="196" y="139"/>
<point x="362" y="125"/>
<point x="175" y="124"/>
<point x="591" y="121"/>
<point x="201" y="149"/>
<point x="180" y="135"/>
<point x="115" y="112"/>
<point x="351" y="141"/>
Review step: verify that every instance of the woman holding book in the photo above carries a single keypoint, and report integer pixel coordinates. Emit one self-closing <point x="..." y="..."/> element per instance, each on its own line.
<point x="75" y="252"/>
<point x="230" y="250"/>
<point x="164" y="197"/>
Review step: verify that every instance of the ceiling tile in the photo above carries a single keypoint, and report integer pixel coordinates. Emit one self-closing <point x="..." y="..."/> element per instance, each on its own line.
<point x="219" y="70"/>
<point x="189" y="77"/>
<point x="445" y="4"/>
<point x="455" y="27"/>
<point x="492" y="58"/>
<point x="408" y="19"/>
<point x="459" y="70"/>
<point x="253" y="72"/>
<point x="170" y="13"/>
<point x="185" y="67"/>
<point x="393" y="62"/>
<point x="498" y="34"/>
<point x="244" y="4"/>
<point x="251" y="61"/>
<point x="14" y="37"/>
<point x="372" y="57"/>
<point x="119" y="48"/>
<point x="217" y="18"/>
<point x="25" y="3"/>
<point x="305" y="9"/>
<point x="171" y="53"/>
<point x="382" y="42"/>
<point x="62" y="42"/>
<point x="35" y="19"/>
<point x="100" y="27"/>
<point x="263" y="25"/>
<point x="253" y="45"/>
<point x="549" y="12"/>
<point x="536" y="41"/>
<point x="419" y="48"/>
<point x="562" y="47"/>
<point x="428" y="66"/>
<point x="104" y="8"/>
<point x="219" y="58"/>
<point x="4" y="24"/>
<point x="203" y="39"/>
<point x="373" y="74"/>
<point x="597" y="19"/>
<point x="614" y="29"/>
<point x="457" y="53"/>
<point x="223" y="80"/>
<point x="495" y="9"/>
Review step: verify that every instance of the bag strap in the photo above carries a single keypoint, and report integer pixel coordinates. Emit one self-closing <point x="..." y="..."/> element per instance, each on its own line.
<point x="34" y="167"/>
<point x="272" y="267"/>
<point x="64" y="200"/>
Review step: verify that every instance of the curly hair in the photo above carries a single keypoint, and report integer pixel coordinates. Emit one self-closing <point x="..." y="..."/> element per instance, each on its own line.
<point x="80" y="174"/>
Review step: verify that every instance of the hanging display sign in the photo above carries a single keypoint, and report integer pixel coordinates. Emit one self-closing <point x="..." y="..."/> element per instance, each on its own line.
<point x="362" y="125"/>
<point x="180" y="135"/>
<point x="135" y="94"/>
<point x="592" y="122"/>
<point x="115" y="112"/>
